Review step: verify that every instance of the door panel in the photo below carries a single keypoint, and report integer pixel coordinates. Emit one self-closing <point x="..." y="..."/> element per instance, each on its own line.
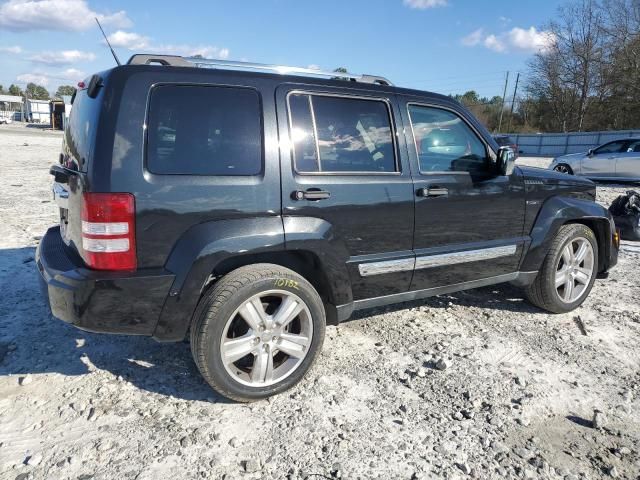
<point x="601" y="165"/>
<point x="469" y="221"/>
<point x="341" y="150"/>
<point x="602" y="162"/>
<point x="628" y="162"/>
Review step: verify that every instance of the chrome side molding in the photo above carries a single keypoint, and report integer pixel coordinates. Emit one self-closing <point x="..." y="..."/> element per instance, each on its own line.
<point x="432" y="261"/>
<point x="387" y="266"/>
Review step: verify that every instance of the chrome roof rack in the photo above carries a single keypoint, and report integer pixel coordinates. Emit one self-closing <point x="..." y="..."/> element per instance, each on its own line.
<point x="177" y="61"/>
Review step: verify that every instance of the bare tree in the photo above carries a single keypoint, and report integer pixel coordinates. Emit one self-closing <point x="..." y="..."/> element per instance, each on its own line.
<point x="593" y="56"/>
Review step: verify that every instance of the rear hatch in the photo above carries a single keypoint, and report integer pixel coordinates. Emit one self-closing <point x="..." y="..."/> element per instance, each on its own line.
<point x="100" y="226"/>
<point x="71" y="172"/>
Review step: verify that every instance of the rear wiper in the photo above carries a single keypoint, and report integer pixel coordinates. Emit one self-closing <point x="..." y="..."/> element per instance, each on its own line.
<point x="60" y="173"/>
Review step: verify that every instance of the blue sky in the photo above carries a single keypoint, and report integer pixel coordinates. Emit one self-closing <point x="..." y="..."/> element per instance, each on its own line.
<point x="447" y="46"/>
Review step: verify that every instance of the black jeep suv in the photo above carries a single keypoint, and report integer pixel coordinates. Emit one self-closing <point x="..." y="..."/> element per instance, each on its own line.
<point x="247" y="206"/>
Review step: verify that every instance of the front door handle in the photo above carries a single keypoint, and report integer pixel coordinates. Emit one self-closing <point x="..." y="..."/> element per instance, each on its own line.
<point x="311" y="194"/>
<point x="432" y="192"/>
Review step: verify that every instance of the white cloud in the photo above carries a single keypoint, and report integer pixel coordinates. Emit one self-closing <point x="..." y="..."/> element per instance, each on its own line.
<point x="494" y="43"/>
<point x="129" y="40"/>
<point x="516" y="39"/>
<point x="72" y="74"/>
<point x="473" y="39"/>
<point x="36" y="78"/>
<point x="63" y="57"/>
<point x="62" y="15"/>
<point x="530" y="39"/>
<point x="46" y="78"/>
<point x="207" y="51"/>
<point x="424" y="4"/>
<point x="15" y="49"/>
<point x="135" y="41"/>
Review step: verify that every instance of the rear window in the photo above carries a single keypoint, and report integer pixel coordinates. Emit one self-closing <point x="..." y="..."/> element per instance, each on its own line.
<point x="202" y="130"/>
<point x="81" y="131"/>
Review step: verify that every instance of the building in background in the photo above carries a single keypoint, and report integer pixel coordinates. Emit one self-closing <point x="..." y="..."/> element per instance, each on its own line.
<point x="37" y="111"/>
<point x="10" y="108"/>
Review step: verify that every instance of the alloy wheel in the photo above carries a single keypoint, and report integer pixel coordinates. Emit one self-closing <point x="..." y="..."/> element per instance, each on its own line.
<point x="267" y="338"/>
<point x="562" y="169"/>
<point x="574" y="270"/>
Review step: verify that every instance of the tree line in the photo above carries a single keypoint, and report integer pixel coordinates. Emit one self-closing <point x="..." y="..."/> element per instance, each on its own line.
<point x="587" y="79"/>
<point x="37" y="92"/>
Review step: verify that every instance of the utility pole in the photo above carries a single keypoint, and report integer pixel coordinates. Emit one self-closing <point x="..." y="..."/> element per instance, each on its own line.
<point x="513" y="101"/>
<point x="506" y="83"/>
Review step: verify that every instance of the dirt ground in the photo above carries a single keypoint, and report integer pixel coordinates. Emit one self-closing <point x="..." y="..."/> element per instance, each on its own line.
<point x="516" y="397"/>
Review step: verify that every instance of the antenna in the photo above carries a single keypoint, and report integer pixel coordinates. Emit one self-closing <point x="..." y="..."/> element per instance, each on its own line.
<point x="107" y="40"/>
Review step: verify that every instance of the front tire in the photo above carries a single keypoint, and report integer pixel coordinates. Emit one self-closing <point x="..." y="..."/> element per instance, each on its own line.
<point x="568" y="270"/>
<point x="257" y="332"/>
<point x="563" y="168"/>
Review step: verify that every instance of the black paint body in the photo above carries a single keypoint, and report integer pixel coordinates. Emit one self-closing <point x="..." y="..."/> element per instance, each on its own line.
<point x="192" y="229"/>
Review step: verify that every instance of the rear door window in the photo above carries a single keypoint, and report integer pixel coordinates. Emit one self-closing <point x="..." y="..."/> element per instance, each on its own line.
<point x="334" y="134"/>
<point x="204" y="130"/>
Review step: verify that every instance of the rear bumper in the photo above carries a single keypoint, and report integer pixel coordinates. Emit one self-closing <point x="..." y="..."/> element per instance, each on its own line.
<point x="105" y="302"/>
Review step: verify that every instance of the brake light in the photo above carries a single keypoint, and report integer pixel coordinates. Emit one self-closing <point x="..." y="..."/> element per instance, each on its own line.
<point x="108" y="233"/>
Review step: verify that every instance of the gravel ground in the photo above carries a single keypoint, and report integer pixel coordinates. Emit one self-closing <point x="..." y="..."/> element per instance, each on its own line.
<point x="477" y="384"/>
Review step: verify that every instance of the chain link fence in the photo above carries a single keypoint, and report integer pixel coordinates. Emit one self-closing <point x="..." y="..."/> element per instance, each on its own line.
<point x="555" y="144"/>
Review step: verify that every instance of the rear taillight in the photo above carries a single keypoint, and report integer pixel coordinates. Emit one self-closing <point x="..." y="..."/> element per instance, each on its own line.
<point x="108" y="233"/>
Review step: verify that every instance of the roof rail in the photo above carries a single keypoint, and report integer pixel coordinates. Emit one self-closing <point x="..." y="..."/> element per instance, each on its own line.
<point x="177" y="61"/>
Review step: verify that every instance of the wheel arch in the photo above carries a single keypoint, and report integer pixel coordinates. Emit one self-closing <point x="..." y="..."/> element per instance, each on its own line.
<point x="602" y="230"/>
<point x="208" y="251"/>
<point x="570" y="166"/>
<point x="558" y="211"/>
<point x="304" y="262"/>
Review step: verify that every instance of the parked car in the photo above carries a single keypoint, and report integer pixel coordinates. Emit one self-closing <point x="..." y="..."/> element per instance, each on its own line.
<point x="246" y="209"/>
<point x="617" y="160"/>
<point x="505" y="141"/>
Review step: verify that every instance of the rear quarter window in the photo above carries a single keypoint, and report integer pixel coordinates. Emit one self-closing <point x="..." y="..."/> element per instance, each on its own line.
<point x="204" y="130"/>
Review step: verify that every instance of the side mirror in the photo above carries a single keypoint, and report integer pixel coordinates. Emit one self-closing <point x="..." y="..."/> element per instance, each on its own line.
<point x="590" y="152"/>
<point x="506" y="161"/>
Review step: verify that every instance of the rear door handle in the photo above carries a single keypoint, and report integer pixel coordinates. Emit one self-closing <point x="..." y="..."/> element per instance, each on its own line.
<point x="432" y="192"/>
<point x="310" y="194"/>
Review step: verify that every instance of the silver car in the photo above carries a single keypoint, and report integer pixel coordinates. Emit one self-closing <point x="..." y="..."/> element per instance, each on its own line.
<point x="617" y="160"/>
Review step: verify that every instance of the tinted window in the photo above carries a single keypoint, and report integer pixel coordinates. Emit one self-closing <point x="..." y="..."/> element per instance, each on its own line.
<point x="613" y="147"/>
<point x="204" y="131"/>
<point x="348" y="135"/>
<point x="633" y="147"/>
<point x="445" y="143"/>
<point x="80" y="133"/>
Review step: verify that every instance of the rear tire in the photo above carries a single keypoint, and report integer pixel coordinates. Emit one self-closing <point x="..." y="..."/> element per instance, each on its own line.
<point x="257" y="332"/>
<point x="568" y="271"/>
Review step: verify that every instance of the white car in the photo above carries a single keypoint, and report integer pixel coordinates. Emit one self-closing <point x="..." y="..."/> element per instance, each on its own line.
<point x="617" y="160"/>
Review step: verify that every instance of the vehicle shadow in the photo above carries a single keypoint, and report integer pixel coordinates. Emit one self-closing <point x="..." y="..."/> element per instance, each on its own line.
<point x="33" y="342"/>
<point x="504" y="297"/>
